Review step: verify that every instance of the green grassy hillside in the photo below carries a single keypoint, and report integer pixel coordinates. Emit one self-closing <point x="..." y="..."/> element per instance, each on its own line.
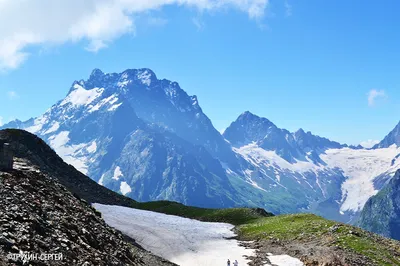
<point x="256" y="225"/>
<point x="235" y="216"/>
<point x="309" y="227"/>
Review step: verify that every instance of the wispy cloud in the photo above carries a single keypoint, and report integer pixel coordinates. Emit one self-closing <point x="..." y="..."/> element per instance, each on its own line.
<point x="373" y="95"/>
<point x="96" y="22"/>
<point x="288" y="9"/>
<point x="12" y="95"/>
<point x="1" y="120"/>
<point x="369" y="143"/>
<point x="198" y="23"/>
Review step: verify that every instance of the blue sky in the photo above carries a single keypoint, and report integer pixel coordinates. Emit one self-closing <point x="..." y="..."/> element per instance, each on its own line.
<point x="331" y="67"/>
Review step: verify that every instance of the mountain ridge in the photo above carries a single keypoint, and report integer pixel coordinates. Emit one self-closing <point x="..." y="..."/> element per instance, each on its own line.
<point x="268" y="136"/>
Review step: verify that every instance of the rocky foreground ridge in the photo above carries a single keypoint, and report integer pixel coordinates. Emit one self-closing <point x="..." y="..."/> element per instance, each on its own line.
<point x="40" y="216"/>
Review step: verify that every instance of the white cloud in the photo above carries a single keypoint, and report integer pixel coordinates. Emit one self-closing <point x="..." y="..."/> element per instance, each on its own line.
<point x="12" y="95"/>
<point x="1" y="121"/>
<point x="27" y="23"/>
<point x="369" y="143"/>
<point x="375" y="94"/>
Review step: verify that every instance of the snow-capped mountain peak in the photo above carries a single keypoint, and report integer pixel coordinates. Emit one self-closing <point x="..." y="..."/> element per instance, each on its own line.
<point x="250" y="128"/>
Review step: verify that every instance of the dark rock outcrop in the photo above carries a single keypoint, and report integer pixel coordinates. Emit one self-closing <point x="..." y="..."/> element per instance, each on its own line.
<point x="38" y="215"/>
<point x="28" y="146"/>
<point x="381" y="213"/>
<point x="6" y="156"/>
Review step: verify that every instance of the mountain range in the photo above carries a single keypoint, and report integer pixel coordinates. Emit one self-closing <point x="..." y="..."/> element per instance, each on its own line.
<point x="48" y="207"/>
<point x="147" y="139"/>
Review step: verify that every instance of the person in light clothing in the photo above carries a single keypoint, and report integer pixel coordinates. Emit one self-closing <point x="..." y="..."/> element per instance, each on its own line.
<point x="236" y="263"/>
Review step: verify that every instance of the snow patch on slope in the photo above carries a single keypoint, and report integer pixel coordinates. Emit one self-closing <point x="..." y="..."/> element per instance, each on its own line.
<point x="260" y="157"/>
<point x="145" y="77"/>
<point x="71" y="154"/>
<point x="180" y="240"/>
<point x="107" y="101"/>
<point x="359" y="166"/>
<point x="114" y="107"/>
<point x="284" y="260"/>
<point x="125" y="188"/>
<point x="53" y="128"/>
<point x="38" y="124"/>
<point x="101" y="180"/>
<point x="59" y="140"/>
<point x="92" y="148"/>
<point x="81" y="96"/>
<point x="117" y="173"/>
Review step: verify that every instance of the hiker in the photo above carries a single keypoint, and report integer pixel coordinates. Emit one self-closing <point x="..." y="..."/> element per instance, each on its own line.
<point x="236" y="263"/>
<point x="228" y="263"/>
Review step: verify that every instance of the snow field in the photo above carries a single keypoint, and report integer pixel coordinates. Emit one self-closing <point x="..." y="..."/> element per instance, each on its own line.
<point x="179" y="240"/>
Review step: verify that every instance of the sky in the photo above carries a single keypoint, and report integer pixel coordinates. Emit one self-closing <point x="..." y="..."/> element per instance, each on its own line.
<point x="329" y="67"/>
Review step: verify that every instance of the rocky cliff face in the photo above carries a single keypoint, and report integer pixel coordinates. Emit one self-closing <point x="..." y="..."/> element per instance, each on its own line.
<point x="392" y="138"/>
<point x="40" y="216"/>
<point x="381" y="213"/>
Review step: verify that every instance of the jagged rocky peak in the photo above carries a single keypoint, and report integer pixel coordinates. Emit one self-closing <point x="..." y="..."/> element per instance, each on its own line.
<point x="77" y="84"/>
<point x="248" y="128"/>
<point x="309" y="142"/>
<point x="303" y="138"/>
<point x="143" y="76"/>
<point x="300" y="133"/>
<point x="18" y="123"/>
<point x="249" y="116"/>
<point x="141" y="73"/>
<point x="133" y="81"/>
<point x="392" y="138"/>
<point x="96" y="73"/>
<point x="95" y="79"/>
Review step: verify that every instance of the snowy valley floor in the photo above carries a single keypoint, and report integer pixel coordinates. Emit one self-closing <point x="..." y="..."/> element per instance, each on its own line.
<point x="183" y="241"/>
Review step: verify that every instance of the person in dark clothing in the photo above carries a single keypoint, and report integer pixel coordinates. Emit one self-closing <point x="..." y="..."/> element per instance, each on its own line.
<point x="228" y="263"/>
